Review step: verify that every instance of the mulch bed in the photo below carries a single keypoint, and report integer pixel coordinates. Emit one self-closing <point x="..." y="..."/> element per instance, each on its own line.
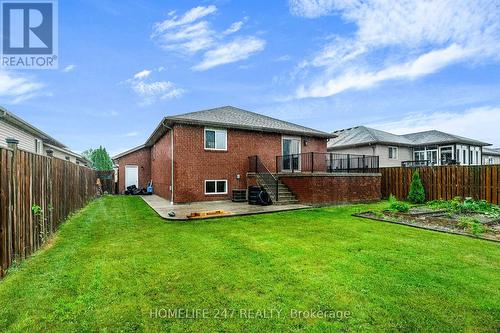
<point x="437" y="220"/>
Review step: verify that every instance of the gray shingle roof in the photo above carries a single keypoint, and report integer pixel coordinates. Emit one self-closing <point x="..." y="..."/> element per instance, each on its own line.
<point x="490" y="151"/>
<point x="438" y="137"/>
<point x="362" y="135"/>
<point x="232" y="117"/>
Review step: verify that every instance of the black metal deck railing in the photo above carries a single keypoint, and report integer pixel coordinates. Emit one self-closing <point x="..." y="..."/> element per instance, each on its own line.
<point x="327" y="163"/>
<point x="271" y="181"/>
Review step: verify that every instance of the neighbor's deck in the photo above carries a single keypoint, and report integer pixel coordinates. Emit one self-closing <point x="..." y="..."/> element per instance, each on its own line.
<point x="163" y="207"/>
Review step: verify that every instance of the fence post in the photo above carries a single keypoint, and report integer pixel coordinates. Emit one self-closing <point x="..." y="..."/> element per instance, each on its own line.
<point x="12" y="228"/>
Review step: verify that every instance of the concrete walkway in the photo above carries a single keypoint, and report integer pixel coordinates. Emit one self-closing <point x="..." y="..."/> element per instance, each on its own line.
<point x="163" y="207"/>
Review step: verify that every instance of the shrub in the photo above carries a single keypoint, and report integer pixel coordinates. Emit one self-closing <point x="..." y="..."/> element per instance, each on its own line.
<point x="417" y="192"/>
<point x="397" y="206"/>
<point x="473" y="225"/>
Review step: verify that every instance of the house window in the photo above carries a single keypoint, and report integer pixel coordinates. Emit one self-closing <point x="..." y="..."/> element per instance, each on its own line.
<point x="215" y="139"/>
<point x="457" y="155"/>
<point x="215" y="186"/>
<point x="393" y="153"/>
<point x="419" y="155"/>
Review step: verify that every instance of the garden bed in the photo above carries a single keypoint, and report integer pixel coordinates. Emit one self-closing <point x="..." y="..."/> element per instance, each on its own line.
<point x="473" y="224"/>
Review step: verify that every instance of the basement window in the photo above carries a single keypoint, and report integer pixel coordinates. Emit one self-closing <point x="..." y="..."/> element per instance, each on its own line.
<point x="215" y="139"/>
<point x="215" y="187"/>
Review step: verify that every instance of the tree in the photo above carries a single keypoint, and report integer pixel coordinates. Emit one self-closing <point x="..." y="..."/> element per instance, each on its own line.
<point x="99" y="157"/>
<point x="417" y="192"/>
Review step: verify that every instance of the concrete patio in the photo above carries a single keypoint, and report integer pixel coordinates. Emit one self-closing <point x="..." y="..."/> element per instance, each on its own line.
<point x="163" y="207"/>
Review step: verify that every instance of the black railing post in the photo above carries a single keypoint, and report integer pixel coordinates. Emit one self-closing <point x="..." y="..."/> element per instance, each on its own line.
<point x="364" y="163"/>
<point x="348" y="162"/>
<point x="312" y="162"/>
<point x="291" y="161"/>
<point x="277" y="188"/>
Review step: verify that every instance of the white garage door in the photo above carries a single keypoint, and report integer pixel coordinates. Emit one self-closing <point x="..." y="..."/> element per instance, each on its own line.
<point x="131" y="175"/>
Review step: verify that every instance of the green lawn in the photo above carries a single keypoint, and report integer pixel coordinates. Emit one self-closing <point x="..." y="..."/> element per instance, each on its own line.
<point x="115" y="265"/>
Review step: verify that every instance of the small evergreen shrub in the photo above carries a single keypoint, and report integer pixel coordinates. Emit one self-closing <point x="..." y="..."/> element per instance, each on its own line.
<point x="417" y="192"/>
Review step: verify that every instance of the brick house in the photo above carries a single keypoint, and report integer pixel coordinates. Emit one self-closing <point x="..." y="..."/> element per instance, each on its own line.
<point x="205" y="155"/>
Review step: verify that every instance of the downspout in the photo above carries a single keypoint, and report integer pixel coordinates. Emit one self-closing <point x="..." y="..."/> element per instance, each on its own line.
<point x="171" y="129"/>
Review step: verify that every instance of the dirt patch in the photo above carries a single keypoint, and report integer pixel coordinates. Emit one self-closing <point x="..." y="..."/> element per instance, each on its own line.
<point x="439" y="221"/>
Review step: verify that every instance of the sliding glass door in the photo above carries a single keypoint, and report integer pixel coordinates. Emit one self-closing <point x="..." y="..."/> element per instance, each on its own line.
<point x="291" y="154"/>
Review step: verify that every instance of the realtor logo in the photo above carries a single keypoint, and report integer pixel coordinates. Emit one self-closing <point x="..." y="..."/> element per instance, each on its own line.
<point x="29" y="34"/>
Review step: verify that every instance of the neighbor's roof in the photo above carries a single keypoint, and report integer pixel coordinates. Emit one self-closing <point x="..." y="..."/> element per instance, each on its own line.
<point x="362" y="136"/>
<point x="491" y="151"/>
<point x="128" y="152"/>
<point x="438" y="137"/>
<point x="27" y="127"/>
<point x="232" y="117"/>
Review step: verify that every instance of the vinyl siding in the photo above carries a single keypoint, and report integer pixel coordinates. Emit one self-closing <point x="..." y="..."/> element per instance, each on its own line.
<point x="26" y="140"/>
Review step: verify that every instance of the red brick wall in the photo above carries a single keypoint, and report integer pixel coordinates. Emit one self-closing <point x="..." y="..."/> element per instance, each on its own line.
<point x="161" y="166"/>
<point x="141" y="158"/>
<point x="332" y="189"/>
<point x="194" y="164"/>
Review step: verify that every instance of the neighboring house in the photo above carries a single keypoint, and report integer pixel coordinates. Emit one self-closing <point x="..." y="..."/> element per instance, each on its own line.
<point x="491" y="156"/>
<point x="34" y="140"/>
<point x="414" y="149"/>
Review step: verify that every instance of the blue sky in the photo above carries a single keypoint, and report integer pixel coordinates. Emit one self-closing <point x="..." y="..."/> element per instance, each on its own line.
<point x="327" y="64"/>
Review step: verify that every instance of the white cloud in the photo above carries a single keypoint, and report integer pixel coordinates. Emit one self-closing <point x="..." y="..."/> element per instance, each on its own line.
<point x="142" y="74"/>
<point x="151" y="91"/>
<point x="131" y="134"/>
<point x="235" y="27"/>
<point x="184" y="34"/>
<point x="19" y="87"/>
<point x="190" y="16"/>
<point x="69" y="68"/>
<point x="398" y="40"/>
<point x="238" y="49"/>
<point x="358" y="79"/>
<point x="190" y="35"/>
<point x="312" y="8"/>
<point x="477" y="123"/>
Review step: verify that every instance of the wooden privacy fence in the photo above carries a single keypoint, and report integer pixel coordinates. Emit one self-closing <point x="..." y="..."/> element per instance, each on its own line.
<point x="36" y="194"/>
<point x="445" y="182"/>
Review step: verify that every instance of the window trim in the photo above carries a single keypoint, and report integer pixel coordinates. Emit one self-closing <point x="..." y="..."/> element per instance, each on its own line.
<point x="397" y="153"/>
<point x="215" y="138"/>
<point x="214" y="180"/>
